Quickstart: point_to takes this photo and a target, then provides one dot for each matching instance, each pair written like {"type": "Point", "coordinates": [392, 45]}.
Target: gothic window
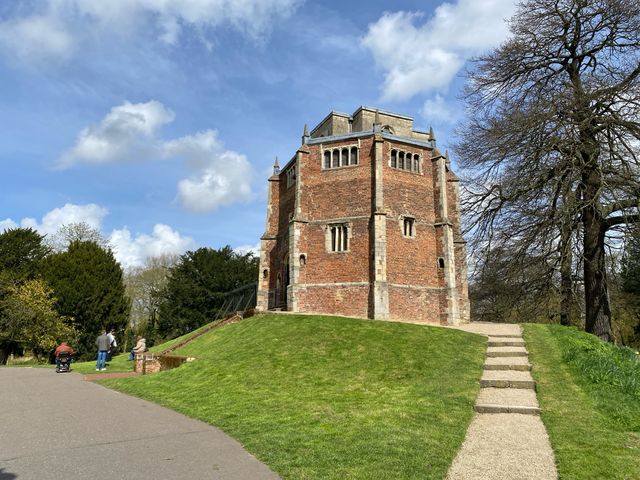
{"type": "Point", "coordinates": [345, 157]}
{"type": "Point", "coordinates": [291, 176]}
{"type": "Point", "coordinates": [409, 162]}
{"type": "Point", "coordinates": [408, 227]}
{"type": "Point", "coordinates": [338, 238]}
{"type": "Point", "coordinates": [340, 157]}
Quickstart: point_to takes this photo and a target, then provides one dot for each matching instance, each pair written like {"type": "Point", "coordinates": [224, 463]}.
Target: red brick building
{"type": "Point", "coordinates": [364, 221]}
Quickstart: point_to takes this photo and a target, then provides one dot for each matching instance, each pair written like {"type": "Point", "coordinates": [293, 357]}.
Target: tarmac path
{"type": "Point", "coordinates": [59, 426]}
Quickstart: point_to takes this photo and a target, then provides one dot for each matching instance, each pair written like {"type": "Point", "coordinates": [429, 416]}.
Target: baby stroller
{"type": "Point", "coordinates": [63, 362]}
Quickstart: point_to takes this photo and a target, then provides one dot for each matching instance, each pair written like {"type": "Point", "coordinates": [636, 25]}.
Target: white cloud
{"type": "Point", "coordinates": [218, 177]}
{"type": "Point", "coordinates": [426, 57]}
{"type": "Point", "coordinates": [35, 39]}
{"type": "Point", "coordinates": [130, 251]}
{"type": "Point", "coordinates": [91, 214]}
{"type": "Point", "coordinates": [221, 177]}
{"type": "Point", "coordinates": [127, 132]}
{"type": "Point", "coordinates": [244, 249]}
{"type": "Point", "coordinates": [6, 224]}
{"type": "Point", "coordinates": [54, 28]}
{"type": "Point", "coordinates": [133, 251]}
{"type": "Point", "coordinates": [436, 109]}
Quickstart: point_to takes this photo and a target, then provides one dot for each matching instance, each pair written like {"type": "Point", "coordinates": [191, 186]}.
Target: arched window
{"type": "Point", "coordinates": [408, 227]}
{"type": "Point", "coordinates": [344, 156]}
{"type": "Point", "coordinates": [339, 238]}
{"type": "Point", "coordinates": [407, 161]}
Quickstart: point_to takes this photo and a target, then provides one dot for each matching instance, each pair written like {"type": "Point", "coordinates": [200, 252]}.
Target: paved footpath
{"type": "Point", "coordinates": [60, 426]}
{"type": "Point", "coordinates": [506, 439]}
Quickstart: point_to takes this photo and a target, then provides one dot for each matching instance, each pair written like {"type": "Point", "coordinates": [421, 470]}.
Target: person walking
{"type": "Point", "coordinates": [102, 342]}
{"type": "Point", "coordinates": [112, 345]}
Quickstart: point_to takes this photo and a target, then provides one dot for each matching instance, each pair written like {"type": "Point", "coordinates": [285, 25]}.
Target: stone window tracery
{"type": "Point", "coordinates": [340, 157]}
{"type": "Point", "coordinates": [409, 227]}
{"type": "Point", "coordinates": [409, 162]}
{"type": "Point", "coordinates": [338, 238]}
{"type": "Point", "coordinates": [291, 176]}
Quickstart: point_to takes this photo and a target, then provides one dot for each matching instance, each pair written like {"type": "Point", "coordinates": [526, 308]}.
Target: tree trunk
{"type": "Point", "coordinates": [5, 351]}
{"type": "Point", "coordinates": [598, 311]}
{"type": "Point", "coordinates": [566, 284]}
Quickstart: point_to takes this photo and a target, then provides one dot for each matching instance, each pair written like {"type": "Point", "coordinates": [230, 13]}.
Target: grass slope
{"type": "Point", "coordinates": [332, 398]}
{"type": "Point", "coordinates": [121, 363]}
{"type": "Point", "coordinates": [590, 402]}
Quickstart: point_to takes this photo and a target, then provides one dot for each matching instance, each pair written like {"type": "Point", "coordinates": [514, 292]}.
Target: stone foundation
{"type": "Point", "coordinates": [153, 363]}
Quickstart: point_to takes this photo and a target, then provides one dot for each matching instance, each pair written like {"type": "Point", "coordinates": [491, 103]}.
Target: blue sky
{"type": "Point", "coordinates": [157, 121]}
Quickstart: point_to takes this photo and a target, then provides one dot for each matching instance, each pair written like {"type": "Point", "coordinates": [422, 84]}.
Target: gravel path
{"type": "Point", "coordinates": [499, 445]}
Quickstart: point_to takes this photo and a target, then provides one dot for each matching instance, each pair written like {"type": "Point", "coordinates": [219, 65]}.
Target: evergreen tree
{"type": "Point", "coordinates": [197, 284]}
{"type": "Point", "coordinates": [21, 253]}
{"type": "Point", "coordinates": [88, 283]}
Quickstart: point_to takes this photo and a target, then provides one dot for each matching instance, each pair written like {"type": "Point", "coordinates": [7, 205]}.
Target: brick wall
{"type": "Point", "coordinates": [415, 305]}
{"type": "Point", "coordinates": [342, 282]}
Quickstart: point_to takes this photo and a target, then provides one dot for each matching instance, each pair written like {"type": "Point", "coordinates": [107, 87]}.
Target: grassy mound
{"type": "Point", "coordinates": [589, 392]}
{"type": "Point", "coordinates": [326, 397]}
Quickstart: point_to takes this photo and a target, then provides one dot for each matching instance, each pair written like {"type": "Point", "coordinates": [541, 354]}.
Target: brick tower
{"type": "Point", "coordinates": [364, 221]}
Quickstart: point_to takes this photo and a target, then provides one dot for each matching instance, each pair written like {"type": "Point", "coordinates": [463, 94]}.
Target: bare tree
{"type": "Point", "coordinates": [144, 285]}
{"type": "Point", "coordinates": [555, 111]}
{"type": "Point", "coordinates": [72, 232]}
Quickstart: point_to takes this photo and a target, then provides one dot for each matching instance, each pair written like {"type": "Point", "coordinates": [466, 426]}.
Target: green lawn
{"type": "Point", "coordinates": [119, 363]}
{"type": "Point", "coordinates": [590, 400]}
{"type": "Point", "coordinates": [332, 398]}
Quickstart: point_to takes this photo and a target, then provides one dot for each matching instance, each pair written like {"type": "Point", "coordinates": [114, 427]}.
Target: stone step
{"type": "Point", "coordinates": [507, 379]}
{"type": "Point", "coordinates": [487, 408]}
{"type": "Point", "coordinates": [498, 335]}
{"type": "Point", "coordinates": [505, 342]}
{"type": "Point", "coordinates": [497, 383]}
{"type": "Point", "coordinates": [508, 366]}
{"type": "Point", "coordinates": [507, 360]}
{"type": "Point", "coordinates": [507, 397]}
{"type": "Point", "coordinates": [506, 352]}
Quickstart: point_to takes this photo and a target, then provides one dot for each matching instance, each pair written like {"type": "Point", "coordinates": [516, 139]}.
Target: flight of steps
{"type": "Point", "coordinates": [506, 385]}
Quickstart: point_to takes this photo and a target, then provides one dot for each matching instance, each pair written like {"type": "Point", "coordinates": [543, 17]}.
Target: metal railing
{"type": "Point", "coordinates": [240, 299]}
